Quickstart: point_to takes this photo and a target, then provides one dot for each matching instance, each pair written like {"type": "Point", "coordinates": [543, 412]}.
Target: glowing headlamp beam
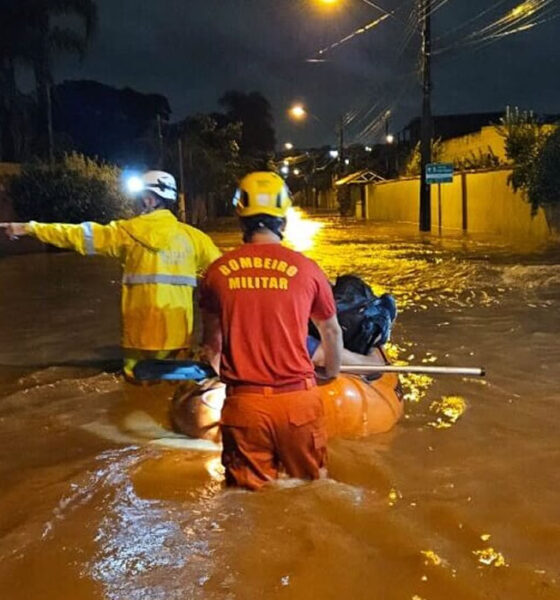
{"type": "Point", "coordinates": [134, 184]}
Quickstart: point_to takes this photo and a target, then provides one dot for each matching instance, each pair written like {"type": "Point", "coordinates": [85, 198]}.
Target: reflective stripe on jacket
{"type": "Point", "coordinates": [161, 259]}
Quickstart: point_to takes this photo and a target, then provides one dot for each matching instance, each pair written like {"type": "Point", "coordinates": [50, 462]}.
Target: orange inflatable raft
{"type": "Point", "coordinates": [353, 406]}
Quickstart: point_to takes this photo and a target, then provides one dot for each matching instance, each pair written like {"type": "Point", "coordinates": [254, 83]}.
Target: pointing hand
{"type": "Point", "coordinates": [14, 230]}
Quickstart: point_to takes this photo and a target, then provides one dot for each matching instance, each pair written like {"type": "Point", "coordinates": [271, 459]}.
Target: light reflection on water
{"type": "Point", "coordinates": [424, 511]}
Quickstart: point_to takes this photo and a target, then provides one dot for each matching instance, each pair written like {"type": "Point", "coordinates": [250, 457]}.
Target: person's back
{"type": "Point", "coordinates": [161, 259]}
{"type": "Point", "coordinates": [266, 293]}
{"type": "Point", "coordinates": [257, 302]}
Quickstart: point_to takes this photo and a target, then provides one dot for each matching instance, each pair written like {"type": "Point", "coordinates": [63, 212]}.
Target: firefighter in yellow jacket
{"type": "Point", "coordinates": [161, 259]}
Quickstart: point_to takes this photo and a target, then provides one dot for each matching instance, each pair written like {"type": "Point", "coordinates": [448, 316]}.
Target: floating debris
{"type": "Point", "coordinates": [490, 557]}
{"type": "Point", "coordinates": [394, 496]}
{"type": "Point", "coordinates": [433, 558]}
{"type": "Point", "coordinates": [448, 410]}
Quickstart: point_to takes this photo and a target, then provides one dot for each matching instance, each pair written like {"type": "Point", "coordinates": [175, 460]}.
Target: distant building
{"type": "Point", "coordinates": [485, 141]}
{"type": "Point", "coordinates": [447, 127]}
{"type": "Point", "coordinates": [466, 136]}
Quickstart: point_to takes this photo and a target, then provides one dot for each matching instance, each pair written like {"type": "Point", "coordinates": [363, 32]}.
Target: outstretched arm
{"type": "Point", "coordinates": [15, 230]}
{"type": "Point", "coordinates": [86, 238]}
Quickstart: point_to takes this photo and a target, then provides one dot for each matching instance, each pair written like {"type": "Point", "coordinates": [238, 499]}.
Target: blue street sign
{"type": "Point", "coordinates": [439, 173]}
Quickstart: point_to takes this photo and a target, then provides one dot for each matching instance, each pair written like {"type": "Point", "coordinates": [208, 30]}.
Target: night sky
{"type": "Point", "coordinates": [193, 50]}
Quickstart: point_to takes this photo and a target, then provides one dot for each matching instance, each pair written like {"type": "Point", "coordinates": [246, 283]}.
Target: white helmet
{"type": "Point", "coordinates": [162, 184]}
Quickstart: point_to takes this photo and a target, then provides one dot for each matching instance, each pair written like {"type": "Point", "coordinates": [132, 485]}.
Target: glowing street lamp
{"type": "Point", "coordinates": [288, 146]}
{"type": "Point", "coordinates": [390, 138]}
{"type": "Point", "coordinates": [297, 112]}
{"type": "Point", "coordinates": [296, 172]}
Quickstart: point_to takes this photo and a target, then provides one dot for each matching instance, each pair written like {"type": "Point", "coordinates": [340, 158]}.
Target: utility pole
{"type": "Point", "coordinates": [341, 145]}
{"type": "Point", "coordinates": [387, 147]}
{"type": "Point", "coordinates": [49, 116]}
{"type": "Point", "coordinates": [160, 141]}
{"type": "Point", "coordinates": [426, 132]}
{"type": "Point", "coordinates": [182, 192]}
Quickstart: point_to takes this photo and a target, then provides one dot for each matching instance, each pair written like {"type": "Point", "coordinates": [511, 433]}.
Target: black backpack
{"type": "Point", "coordinates": [365, 318]}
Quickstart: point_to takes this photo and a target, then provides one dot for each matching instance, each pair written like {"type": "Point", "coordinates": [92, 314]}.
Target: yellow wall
{"type": "Point", "coordinates": [484, 141]}
{"type": "Point", "coordinates": [492, 206]}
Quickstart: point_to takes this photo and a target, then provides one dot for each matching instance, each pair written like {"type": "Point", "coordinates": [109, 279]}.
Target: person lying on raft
{"type": "Point", "coordinates": [366, 321]}
{"type": "Point", "coordinates": [316, 352]}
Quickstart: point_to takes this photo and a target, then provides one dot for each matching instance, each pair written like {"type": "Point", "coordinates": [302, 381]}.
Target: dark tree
{"type": "Point", "coordinates": [44, 36]}
{"type": "Point", "coordinates": [16, 110]}
{"type": "Point", "coordinates": [254, 112]}
{"type": "Point", "coordinates": [31, 32]}
{"type": "Point", "coordinates": [210, 162]}
{"type": "Point", "coordinates": [119, 126]}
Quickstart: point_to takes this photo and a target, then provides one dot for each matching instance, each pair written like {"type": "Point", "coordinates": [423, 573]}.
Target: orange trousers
{"type": "Point", "coordinates": [263, 432]}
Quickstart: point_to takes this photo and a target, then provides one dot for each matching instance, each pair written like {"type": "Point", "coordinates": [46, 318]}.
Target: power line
{"type": "Point", "coordinates": [471, 20]}
{"type": "Point", "coordinates": [351, 36]}
{"type": "Point", "coordinates": [516, 20]}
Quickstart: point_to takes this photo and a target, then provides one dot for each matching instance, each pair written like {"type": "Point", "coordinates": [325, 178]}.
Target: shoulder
{"type": "Point", "coordinates": [193, 231]}
{"type": "Point", "coordinates": [224, 259]}
{"type": "Point", "coordinates": [304, 263]}
{"type": "Point", "coordinates": [218, 263]}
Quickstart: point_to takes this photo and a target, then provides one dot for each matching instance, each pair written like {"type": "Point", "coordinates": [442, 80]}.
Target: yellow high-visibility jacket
{"type": "Point", "coordinates": [161, 259]}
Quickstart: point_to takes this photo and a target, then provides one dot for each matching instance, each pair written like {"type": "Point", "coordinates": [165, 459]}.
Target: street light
{"type": "Point", "coordinates": [288, 146]}
{"type": "Point", "coordinates": [297, 112]}
{"type": "Point", "coordinates": [390, 138]}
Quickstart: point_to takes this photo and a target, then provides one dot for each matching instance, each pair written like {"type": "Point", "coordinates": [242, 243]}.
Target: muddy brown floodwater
{"type": "Point", "coordinates": [461, 501]}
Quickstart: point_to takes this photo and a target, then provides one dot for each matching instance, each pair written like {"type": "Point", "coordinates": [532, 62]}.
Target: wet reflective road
{"type": "Point", "coordinates": [460, 501]}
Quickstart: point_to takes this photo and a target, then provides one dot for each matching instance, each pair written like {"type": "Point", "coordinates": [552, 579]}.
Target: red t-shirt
{"type": "Point", "coordinates": [265, 295]}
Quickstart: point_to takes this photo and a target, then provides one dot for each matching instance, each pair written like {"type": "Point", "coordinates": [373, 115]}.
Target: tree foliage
{"type": "Point", "coordinates": [534, 152]}
{"type": "Point", "coordinates": [544, 186]}
{"type": "Point", "coordinates": [412, 167]}
{"type": "Point", "coordinates": [117, 125]}
{"type": "Point", "coordinates": [477, 160]}
{"type": "Point", "coordinates": [254, 113]}
{"type": "Point", "coordinates": [211, 164]}
{"type": "Point", "coordinates": [524, 139]}
{"type": "Point", "coordinates": [31, 33]}
{"type": "Point", "coordinates": [73, 190]}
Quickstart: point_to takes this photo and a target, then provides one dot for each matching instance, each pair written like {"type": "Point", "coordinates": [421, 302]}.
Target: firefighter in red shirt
{"type": "Point", "coordinates": [257, 301]}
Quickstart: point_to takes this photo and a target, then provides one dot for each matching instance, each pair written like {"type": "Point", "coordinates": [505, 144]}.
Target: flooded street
{"type": "Point", "coordinates": [460, 500]}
